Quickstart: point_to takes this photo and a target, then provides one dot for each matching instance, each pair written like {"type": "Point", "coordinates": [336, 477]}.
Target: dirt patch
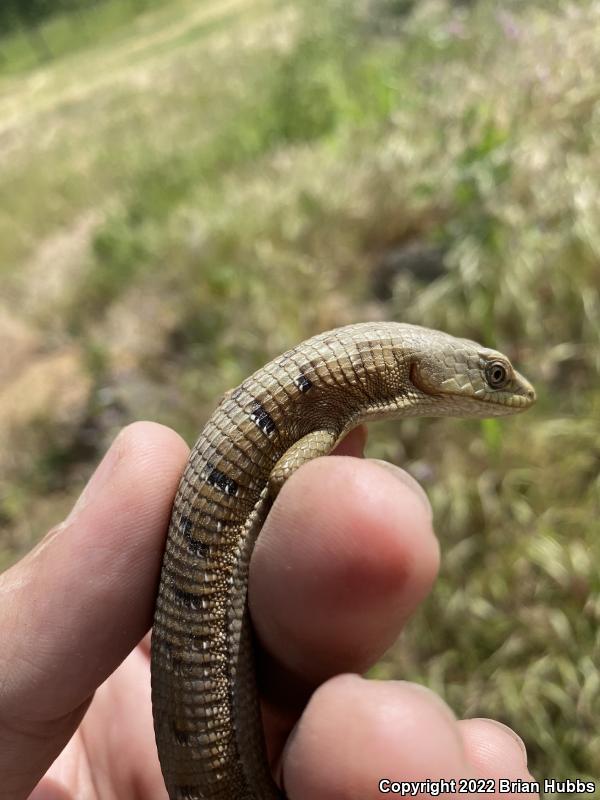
{"type": "Point", "coordinates": [42, 378]}
{"type": "Point", "coordinates": [58, 262]}
{"type": "Point", "coordinates": [19, 345]}
{"type": "Point", "coordinates": [51, 386]}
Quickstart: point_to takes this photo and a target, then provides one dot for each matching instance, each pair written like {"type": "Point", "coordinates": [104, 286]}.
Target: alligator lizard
{"type": "Point", "coordinates": [206, 711]}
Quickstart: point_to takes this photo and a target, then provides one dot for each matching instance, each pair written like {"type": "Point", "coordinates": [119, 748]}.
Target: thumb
{"type": "Point", "coordinates": [72, 609]}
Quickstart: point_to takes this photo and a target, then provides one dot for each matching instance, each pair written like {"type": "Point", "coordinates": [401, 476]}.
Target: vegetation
{"type": "Point", "coordinates": [211, 183]}
{"type": "Point", "coordinates": [43, 30]}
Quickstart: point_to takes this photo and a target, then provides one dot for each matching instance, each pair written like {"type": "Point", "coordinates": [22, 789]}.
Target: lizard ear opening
{"type": "Point", "coordinates": [418, 379]}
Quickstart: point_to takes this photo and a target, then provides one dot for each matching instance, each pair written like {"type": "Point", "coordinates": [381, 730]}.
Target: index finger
{"type": "Point", "coordinates": [345, 556]}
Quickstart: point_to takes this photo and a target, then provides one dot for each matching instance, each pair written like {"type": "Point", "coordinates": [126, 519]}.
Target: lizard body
{"type": "Point", "coordinates": [205, 704]}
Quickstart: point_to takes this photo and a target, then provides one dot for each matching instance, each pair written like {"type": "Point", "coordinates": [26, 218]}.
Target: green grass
{"type": "Point", "coordinates": [250, 167]}
{"type": "Point", "coordinates": [64, 34]}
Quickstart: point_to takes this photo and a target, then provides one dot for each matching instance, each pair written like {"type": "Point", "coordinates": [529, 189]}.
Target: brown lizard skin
{"type": "Point", "coordinates": [205, 704]}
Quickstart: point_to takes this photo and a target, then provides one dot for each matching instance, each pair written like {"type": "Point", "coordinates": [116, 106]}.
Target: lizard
{"type": "Point", "coordinates": [299, 406]}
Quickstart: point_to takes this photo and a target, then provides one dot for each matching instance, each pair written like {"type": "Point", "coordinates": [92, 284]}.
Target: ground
{"type": "Point", "coordinates": [189, 190]}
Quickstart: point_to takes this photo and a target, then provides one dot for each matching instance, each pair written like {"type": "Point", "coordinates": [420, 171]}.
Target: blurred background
{"type": "Point", "coordinates": [188, 188]}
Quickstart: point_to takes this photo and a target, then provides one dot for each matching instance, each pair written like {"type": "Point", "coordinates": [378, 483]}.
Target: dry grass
{"type": "Point", "coordinates": [284, 170]}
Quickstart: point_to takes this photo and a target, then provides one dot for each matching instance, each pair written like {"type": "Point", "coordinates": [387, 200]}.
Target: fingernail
{"type": "Point", "coordinates": [408, 481]}
{"type": "Point", "coordinates": [509, 731]}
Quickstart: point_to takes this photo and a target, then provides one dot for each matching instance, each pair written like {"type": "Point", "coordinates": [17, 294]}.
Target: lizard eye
{"type": "Point", "coordinates": [496, 374]}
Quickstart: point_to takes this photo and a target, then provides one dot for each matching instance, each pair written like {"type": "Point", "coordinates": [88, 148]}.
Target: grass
{"type": "Point", "coordinates": [65, 34]}
{"type": "Point", "coordinates": [262, 171]}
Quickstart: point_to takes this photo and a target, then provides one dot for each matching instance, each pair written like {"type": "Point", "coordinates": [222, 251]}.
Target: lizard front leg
{"type": "Point", "coordinates": [314, 444]}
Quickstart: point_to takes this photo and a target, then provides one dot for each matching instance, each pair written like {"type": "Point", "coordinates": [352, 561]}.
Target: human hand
{"type": "Point", "coordinates": [346, 555]}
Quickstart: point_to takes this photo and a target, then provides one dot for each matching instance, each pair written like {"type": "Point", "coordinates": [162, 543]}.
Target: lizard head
{"type": "Point", "coordinates": [463, 378]}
